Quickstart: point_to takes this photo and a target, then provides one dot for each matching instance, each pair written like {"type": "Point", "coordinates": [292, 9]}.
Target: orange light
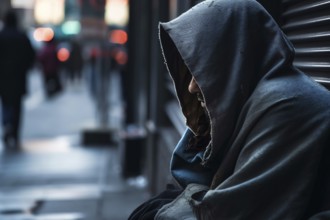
{"type": "Point", "coordinates": [121, 57]}
{"type": "Point", "coordinates": [118, 37]}
{"type": "Point", "coordinates": [63, 54]}
{"type": "Point", "coordinates": [43, 34]}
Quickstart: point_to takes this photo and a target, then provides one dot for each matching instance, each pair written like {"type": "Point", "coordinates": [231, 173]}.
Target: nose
{"type": "Point", "coordinates": [193, 87]}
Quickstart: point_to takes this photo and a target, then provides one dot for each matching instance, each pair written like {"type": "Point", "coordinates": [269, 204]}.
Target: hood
{"type": "Point", "coordinates": [224, 44]}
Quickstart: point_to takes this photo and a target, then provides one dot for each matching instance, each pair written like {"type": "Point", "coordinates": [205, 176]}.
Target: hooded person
{"type": "Point", "coordinates": [258, 129]}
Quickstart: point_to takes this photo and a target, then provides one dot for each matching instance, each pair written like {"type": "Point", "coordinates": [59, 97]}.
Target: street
{"type": "Point", "coordinates": [54, 176]}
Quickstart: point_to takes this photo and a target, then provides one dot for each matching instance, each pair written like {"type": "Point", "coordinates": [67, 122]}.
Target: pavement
{"type": "Point", "coordinates": [54, 175]}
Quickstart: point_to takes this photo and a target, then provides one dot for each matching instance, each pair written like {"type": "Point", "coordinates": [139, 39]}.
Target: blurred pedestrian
{"type": "Point", "coordinates": [16, 58]}
{"type": "Point", "coordinates": [75, 62]}
{"type": "Point", "coordinates": [94, 55]}
{"type": "Point", "coordinates": [50, 66]}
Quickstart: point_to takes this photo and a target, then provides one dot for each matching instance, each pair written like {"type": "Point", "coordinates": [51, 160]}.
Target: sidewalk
{"type": "Point", "coordinates": [55, 177]}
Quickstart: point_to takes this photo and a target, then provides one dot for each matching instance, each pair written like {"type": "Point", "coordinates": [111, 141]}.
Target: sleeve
{"type": "Point", "coordinates": [180, 208]}
{"type": "Point", "coordinates": [29, 53]}
{"type": "Point", "coordinates": [33, 54]}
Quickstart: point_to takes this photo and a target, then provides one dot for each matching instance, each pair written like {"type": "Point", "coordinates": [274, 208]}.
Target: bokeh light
{"type": "Point", "coordinates": [49, 11]}
{"type": "Point", "coordinates": [116, 12]}
{"type": "Point", "coordinates": [71, 27]}
{"type": "Point", "coordinates": [43, 34]}
{"type": "Point", "coordinates": [63, 54]}
{"type": "Point", "coordinates": [121, 57]}
{"type": "Point", "coordinates": [118, 36]}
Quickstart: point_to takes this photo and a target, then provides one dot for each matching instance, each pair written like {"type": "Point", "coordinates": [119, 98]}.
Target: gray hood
{"type": "Point", "coordinates": [223, 45]}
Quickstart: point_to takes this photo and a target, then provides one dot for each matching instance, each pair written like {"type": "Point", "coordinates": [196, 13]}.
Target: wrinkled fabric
{"type": "Point", "coordinates": [148, 209]}
{"type": "Point", "coordinates": [268, 157]}
{"type": "Point", "coordinates": [171, 211]}
{"type": "Point", "coordinates": [186, 164]}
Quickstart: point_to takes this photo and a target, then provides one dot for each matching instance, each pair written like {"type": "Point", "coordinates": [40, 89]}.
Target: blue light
{"type": "Point", "coordinates": [71, 27]}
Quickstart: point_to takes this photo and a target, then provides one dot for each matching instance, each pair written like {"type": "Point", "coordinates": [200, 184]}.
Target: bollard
{"type": "Point", "coordinates": [133, 152]}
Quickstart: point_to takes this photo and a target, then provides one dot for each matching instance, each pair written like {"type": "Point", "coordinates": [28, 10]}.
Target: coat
{"type": "Point", "coordinates": [16, 58]}
{"type": "Point", "coordinates": [268, 152]}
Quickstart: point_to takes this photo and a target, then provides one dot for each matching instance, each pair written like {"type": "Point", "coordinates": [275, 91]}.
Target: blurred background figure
{"type": "Point", "coordinates": [75, 63]}
{"type": "Point", "coordinates": [16, 58]}
{"type": "Point", "coordinates": [94, 53]}
{"type": "Point", "coordinates": [50, 65]}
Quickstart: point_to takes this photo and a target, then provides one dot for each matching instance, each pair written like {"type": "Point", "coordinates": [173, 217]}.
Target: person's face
{"type": "Point", "coordinates": [193, 88]}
